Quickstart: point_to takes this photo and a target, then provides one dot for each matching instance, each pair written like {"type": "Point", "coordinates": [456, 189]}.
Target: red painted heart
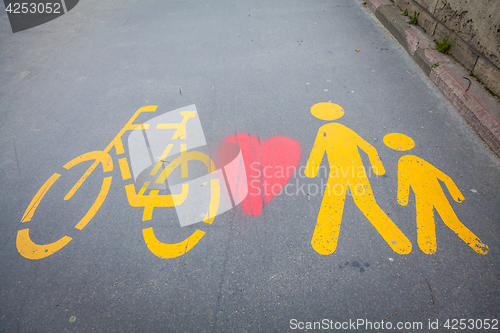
{"type": "Point", "coordinates": [269, 165]}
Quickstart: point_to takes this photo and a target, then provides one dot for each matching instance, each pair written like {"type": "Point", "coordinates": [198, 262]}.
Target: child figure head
{"type": "Point", "coordinates": [398, 141]}
{"type": "Point", "coordinates": [327, 111]}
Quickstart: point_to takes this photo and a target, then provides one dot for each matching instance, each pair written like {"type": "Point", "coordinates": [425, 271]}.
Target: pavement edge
{"type": "Point", "coordinates": [477, 106]}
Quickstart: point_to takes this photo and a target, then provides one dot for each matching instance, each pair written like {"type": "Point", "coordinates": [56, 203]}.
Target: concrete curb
{"type": "Point", "coordinates": [478, 107]}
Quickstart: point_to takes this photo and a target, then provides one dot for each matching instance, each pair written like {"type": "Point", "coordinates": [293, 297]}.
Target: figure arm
{"type": "Point", "coordinates": [315, 157]}
{"type": "Point", "coordinates": [450, 184]}
{"type": "Point", "coordinates": [378, 167]}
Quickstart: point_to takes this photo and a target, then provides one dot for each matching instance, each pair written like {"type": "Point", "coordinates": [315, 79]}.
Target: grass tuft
{"type": "Point", "coordinates": [443, 45]}
{"type": "Point", "coordinates": [414, 18]}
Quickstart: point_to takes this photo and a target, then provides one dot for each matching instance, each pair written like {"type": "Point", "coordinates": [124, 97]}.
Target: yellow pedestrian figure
{"type": "Point", "coordinates": [423, 178]}
{"type": "Point", "coordinates": [346, 171]}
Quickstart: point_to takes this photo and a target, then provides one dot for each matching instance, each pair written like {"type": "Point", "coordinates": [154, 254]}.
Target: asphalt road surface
{"type": "Point", "coordinates": [253, 70]}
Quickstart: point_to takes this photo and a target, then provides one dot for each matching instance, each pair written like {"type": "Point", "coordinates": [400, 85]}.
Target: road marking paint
{"type": "Point", "coordinates": [180, 132]}
{"type": "Point", "coordinates": [161, 160]}
{"type": "Point", "coordinates": [166, 251]}
{"type": "Point", "coordinates": [423, 178]}
{"type": "Point", "coordinates": [106, 184]}
{"type": "Point", "coordinates": [268, 166]}
{"type": "Point", "coordinates": [124, 168]}
{"type": "Point", "coordinates": [99, 157]}
{"type": "Point", "coordinates": [30, 250]}
{"type": "Point", "coordinates": [214, 201]}
{"type": "Point", "coordinates": [28, 214]}
{"type": "Point", "coordinates": [340, 144]}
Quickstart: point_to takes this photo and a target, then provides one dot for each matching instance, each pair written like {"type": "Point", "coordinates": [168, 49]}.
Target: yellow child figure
{"type": "Point", "coordinates": [341, 147]}
{"type": "Point", "coordinates": [423, 178]}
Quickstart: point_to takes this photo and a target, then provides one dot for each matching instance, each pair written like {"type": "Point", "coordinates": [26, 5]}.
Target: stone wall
{"type": "Point", "coordinates": [474, 27]}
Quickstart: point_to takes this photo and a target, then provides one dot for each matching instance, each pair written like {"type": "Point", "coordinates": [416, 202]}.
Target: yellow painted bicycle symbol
{"type": "Point", "coordinates": [178, 144]}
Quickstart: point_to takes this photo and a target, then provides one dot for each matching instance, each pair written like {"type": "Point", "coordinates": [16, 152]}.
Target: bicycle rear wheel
{"type": "Point", "coordinates": [30, 250]}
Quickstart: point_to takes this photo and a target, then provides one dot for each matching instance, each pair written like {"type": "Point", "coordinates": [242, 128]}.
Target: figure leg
{"type": "Point", "coordinates": [426, 226]}
{"type": "Point", "coordinates": [451, 220]}
{"type": "Point", "coordinates": [363, 197]}
{"type": "Point", "coordinates": [326, 232]}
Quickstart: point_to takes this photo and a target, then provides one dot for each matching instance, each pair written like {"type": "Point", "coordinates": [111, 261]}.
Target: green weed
{"type": "Point", "coordinates": [414, 18]}
{"type": "Point", "coordinates": [443, 45]}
